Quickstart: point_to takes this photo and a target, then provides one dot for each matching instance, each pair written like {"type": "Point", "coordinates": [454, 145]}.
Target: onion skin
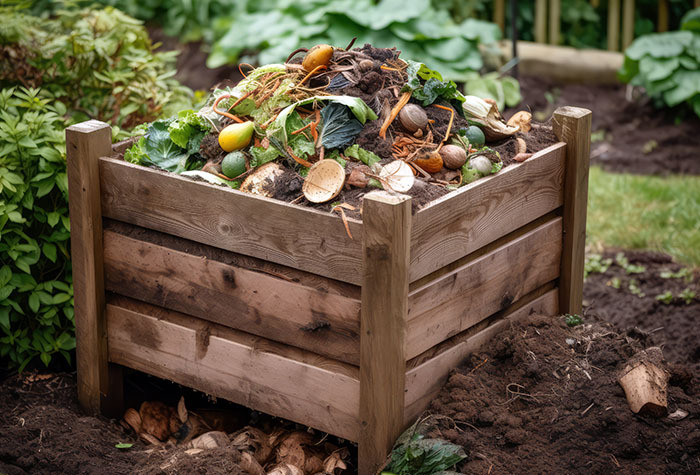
{"type": "Point", "coordinates": [453, 156]}
{"type": "Point", "coordinates": [319, 55]}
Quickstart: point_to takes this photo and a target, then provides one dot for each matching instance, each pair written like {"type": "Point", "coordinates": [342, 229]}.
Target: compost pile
{"type": "Point", "coordinates": [327, 127]}
{"type": "Point", "coordinates": [545, 398]}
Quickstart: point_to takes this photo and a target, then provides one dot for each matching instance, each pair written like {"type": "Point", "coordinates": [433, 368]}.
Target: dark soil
{"type": "Point", "coordinates": [675, 325]}
{"type": "Point", "coordinates": [544, 398]}
{"type": "Point", "coordinates": [630, 135]}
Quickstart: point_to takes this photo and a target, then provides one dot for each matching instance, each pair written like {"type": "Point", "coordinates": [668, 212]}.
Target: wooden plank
{"type": "Point", "coordinates": [540, 21]}
{"type": "Point", "coordinates": [554, 21]}
{"type": "Point", "coordinates": [248, 370]}
{"type": "Point", "coordinates": [387, 225]}
{"type": "Point", "coordinates": [479, 288]}
{"type": "Point", "coordinates": [466, 220]}
{"type": "Point", "coordinates": [614, 25]}
{"type": "Point", "coordinates": [628, 16]}
{"type": "Point", "coordinates": [573, 126]}
{"type": "Point", "coordinates": [564, 63]}
{"type": "Point", "coordinates": [499, 14]}
{"type": "Point", "coordinates": [257, 303]}
{"type": "Point", "coordinates": [662, 19]}
{"type": "Point", "coordinates": [269, 229]}
{"type": "Point", "coordinates": [86, 142]}
{"type": "Point", "coordinates": [424, 382]}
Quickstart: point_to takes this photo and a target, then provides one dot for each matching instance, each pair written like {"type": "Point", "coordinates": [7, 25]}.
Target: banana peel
{"type": "Point", "coordinates": [486, 116]}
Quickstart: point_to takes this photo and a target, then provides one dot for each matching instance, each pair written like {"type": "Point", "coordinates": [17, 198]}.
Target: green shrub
{"type": "Point", "coordinates": [78, 65]}
{"type": "Point", "coordinates": [420, 31]}
{"type": "Point", "coordinates": [667, 65]}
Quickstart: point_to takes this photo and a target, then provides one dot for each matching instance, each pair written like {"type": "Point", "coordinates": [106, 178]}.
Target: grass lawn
{"type": "Point", "coordinates": [645, 212]}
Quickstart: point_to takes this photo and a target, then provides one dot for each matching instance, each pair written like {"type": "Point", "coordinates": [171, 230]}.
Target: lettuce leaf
{"type": "Point", "coordinates": [359, 153]}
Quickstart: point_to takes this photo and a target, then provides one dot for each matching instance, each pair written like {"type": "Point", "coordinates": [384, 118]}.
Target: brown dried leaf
{"type": "Point", "coordinates": [255, 441]}
{"type": "Point", "coordinates": [155, 419]}
{"type": "Point", "coordinates": [286, 469]}
{"type": "Point", "coordinates": [182, 410]}
{"type": "Point", "coordinates": [133, 419]}
{"type": "Point", "coordinates": [210, 440]}
{"type": "Point", "coordinates": [290, 450]}
{"type": "Point", "coordinates": [334, 461]}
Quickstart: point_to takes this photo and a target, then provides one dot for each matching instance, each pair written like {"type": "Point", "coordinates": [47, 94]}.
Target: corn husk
{"type": "Point", "coordinates": [487, 117]}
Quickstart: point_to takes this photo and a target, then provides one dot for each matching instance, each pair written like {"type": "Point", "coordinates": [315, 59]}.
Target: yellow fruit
{"type": "Point", "coordinates": [236, 136]}
{"type": "Point", "coordinates": [319, 55]}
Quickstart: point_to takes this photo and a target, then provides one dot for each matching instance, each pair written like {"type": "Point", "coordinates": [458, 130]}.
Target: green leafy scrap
{"type": "Point", "coordinates": [339, 127]}
{"type": "Point", "coordinates": [359, 153]}
{"type": "Point", "coordinates": [428, 86]}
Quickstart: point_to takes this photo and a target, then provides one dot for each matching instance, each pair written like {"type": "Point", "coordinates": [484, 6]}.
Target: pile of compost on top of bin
{"type": "Point", "coordinates": [327, 127]}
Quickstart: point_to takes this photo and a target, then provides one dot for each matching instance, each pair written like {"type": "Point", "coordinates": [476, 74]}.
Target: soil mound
{"type": "Point", "coordinates": [544, 398]}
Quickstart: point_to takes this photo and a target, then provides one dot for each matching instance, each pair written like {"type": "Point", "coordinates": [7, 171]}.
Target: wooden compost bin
{"type": "Point", "coordinates": [273, 306]}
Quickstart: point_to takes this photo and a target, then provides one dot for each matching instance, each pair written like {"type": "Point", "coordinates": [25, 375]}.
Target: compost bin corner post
{"type": "Point", "coordinates": [386, 246]}
{"type": "Point", "coordinates": [573, 126]}
{"type": "Point", "coordinates": [99, 383]}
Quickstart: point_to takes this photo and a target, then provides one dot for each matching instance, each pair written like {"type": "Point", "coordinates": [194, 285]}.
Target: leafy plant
{"type": "Point", "coordinates": [666, 297]}
{"type": "Point", "coordinates": [54, 72]}
{"type": "Point", "coordinates": [595, 264]}
{"type": "Point", "coordinates": [667, 64]}
{"type": "Point", "coordinates": [421, 32]}
{"type": "Point", "coordinates": [687, 295]}
{"type": "Point", "coordinates": [99, 63]}
{"type": "Point", "coordinates": [415, 454]}
{"type": "Point", "coordinates": [573, 320]}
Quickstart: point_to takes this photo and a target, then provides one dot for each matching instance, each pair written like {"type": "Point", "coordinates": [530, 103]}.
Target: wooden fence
{"type": "Point", "coordinates": [549, 11]}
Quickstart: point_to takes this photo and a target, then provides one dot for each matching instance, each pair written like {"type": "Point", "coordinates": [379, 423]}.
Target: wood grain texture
{"type": "Point", "coordinates": [263, 375]}
{"type": "Point", "coordinates": [614, 25]}
{"type": "Point", "coordinates": [554, 21]}
{"type": "Point", "coordinates": [286, 234]}
{"type": "Point", "coordinates": [86, 142]}
{"type": "Point", "coordinates": [387, 233]}
{"type": "Point", "coordinates": [424, 382]}
{"type": "Point", "coordinates": [573, 126]}
{"type": "Point", "coordinates": [254, 302]}
{"type": "Point", "coordinates": [479, 288]}
{"type": "Point", "coordinates": [540, 21]}
{"type": "Point", "coordinates": [477, 214]}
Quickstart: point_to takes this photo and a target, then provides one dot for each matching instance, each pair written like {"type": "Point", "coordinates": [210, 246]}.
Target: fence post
{"type": "Point", "coordinates": [499, 15]}
{"type": "Point", "coordinates": [573, 126]}
{"type": "Point", "coordinates": [85, 143]}
{"type": "Point", "coordinates": [662, 20]}
{"type": "Point", "coordinates": [540, 21]}
{"type": "Point", "coordinates": [554, 21]}
{"type": "Point", "coordinates": [386, 247]}
{"type": "Point", "coordinates": [613, 25]}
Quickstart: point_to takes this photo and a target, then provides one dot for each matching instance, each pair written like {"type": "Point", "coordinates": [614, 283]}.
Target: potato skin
{"type": "Point", "coordinates": [319, 55]}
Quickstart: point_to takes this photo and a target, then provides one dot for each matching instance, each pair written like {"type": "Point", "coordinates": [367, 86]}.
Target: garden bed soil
{"type": "Point", "coordinates": [675, 325]}
{"type": "Point", "coordinates": [629, 134]}
{"type": "Point", "coordinates": [544, 398]}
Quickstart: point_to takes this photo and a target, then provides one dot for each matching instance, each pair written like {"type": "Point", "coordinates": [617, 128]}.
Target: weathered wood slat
{"type": "Point", "coordinates": [573, 125]}
{"type": "Point", "coordinates": [483, 286]}
{"type": "Point", "coordinates": [260, 227]}
{"type": "Point", "coordinates": [464, 221]}
{"type": "Point", "coordinates": [424, 382]}
{"type": "Point", "coordinates": [257, 373]}
{"type": "Point", "coordinates": [257, 303]}
{"type": "Point", "coordinates": [86, 142]}
{"type": "Point", "coordinates": [386, 240]}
